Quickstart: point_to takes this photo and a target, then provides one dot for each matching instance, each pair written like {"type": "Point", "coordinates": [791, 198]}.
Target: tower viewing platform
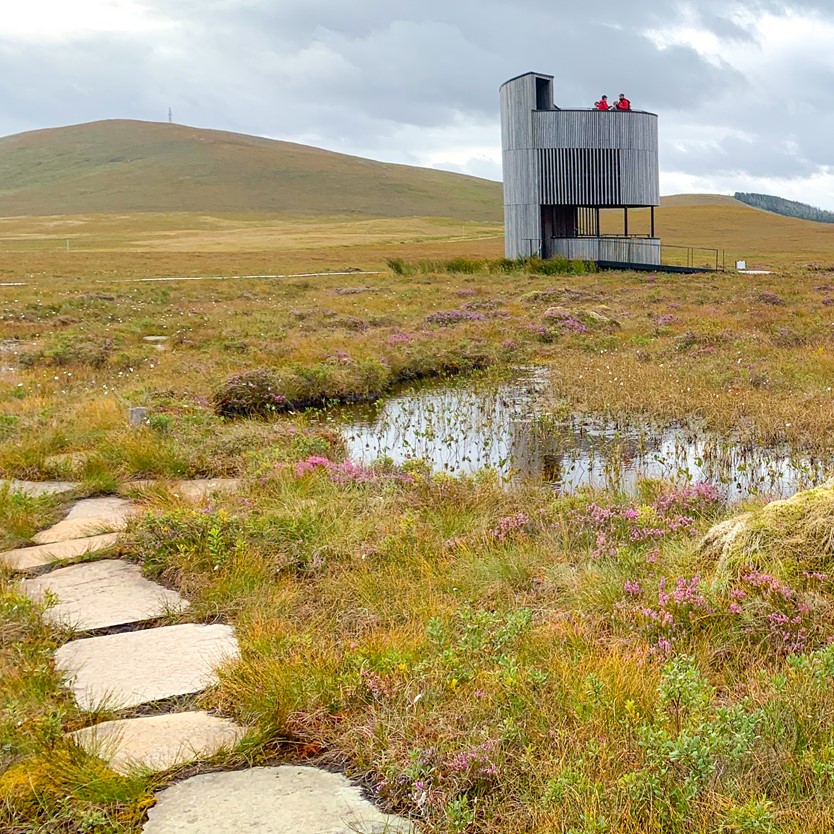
{"type": "Point", "coordinates": [562, 168]}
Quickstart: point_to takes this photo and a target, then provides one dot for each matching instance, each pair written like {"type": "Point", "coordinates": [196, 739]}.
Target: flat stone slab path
{"type": "Point", "coordinates": [158, 742]}
{"type": "Point", "coordinates": [102, 595]}
{"type": "Point", "coordinates": [28, 559]}
{"type": "Point", "coordinates": [269, 800]}
{"type": "Point", "coordinates": [37, 488]}
{"type": "Point", "coordinates": [125, 670]}
{"type": "Point", "coordinates": [89, 517]}
{"type": "Point", "coordinates": [131, 668]}
{"type": "Point", "coordinates": [110, 507]}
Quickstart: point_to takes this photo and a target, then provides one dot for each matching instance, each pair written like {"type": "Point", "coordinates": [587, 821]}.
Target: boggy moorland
{"type": "Point", "coordinates": [483, 657]}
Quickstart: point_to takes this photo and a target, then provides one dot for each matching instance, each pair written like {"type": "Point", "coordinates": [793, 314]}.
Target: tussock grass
{"type": "Point", "coordinates": [21, 516]}
{"type": "Point", "coordinates": [791, 539]}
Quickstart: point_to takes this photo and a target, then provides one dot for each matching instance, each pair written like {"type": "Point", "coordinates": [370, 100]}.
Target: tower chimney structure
{"type": "Point", "coordinates": [563, 167]}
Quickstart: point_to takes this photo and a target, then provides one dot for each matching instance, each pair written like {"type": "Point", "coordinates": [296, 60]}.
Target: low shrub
{"type": "Point", "coordinates": [467, 266]}
{"type": "Point", "coordinates": [67, 351]}
{"type": "Point", "coordinates": [250, 394]}
{"type": "Point", "coordinates": [559, 266]}
{"type": "Point", "coordinates": [507, 266]}
{"type": "Point", "coordinates": [447, 318]}
{"type": "Point", "coordinates": [399, 267]}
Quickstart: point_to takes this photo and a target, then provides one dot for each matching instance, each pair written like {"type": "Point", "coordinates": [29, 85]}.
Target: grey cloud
{"type": "Point", "coordinates": [733, 155]}
{"type": "Point", "coordinates": [375, 76]}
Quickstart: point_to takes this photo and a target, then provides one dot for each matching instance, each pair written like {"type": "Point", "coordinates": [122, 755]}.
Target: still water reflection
{"type": "Point", "coordinates": [463, 427]}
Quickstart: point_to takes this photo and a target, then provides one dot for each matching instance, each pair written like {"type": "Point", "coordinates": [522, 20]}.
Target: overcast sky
{"type": "Point", "coordinates": [744, 90]}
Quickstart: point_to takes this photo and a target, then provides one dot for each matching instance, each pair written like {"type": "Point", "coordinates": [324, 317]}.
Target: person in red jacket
{"type": "Point", "coordinates": [602, 104]}
{"type": "Point", "coordinates": [623, 103]}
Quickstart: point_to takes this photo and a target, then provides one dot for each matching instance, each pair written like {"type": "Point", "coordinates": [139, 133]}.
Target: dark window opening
{"type": "Point", "coordinates": [544, 94]}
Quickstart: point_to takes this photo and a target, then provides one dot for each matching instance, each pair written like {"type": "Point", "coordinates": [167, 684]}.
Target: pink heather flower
{"type": "Point", "coordinates": [664, 646]}
{"type": "Point", "coordinates": [348, 472]}
{"type": "Point", "coordinates": [616, 526]}
{"type": "Point", "coordinates": [311, 463]}
{"type": "Point", "coordinates": [565, 321]}
{"type": "Point", "coordinates": [341, 357]}
{"type": "Point", "coordinates": [767, 583]}
{"type": "Point", "coordinates": [510, 525]}
{"type": "Point", "coordinates": [633, 588]}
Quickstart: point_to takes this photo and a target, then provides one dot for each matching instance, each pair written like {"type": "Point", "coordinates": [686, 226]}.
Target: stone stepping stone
{"type": "Point", "coordinates": [108, 506]}
{"type": "Point", "coordinates": [192, 491]}
{"type": "Point", "coordinates": [37, 488]}
{"type": "Point", "coordinates": [28, 559]}
{"type": "Point", "coordinates": [158, 742]}
{"type": "Point", "coordinates": [195, 491]}
{"type": "Point", "coordinates": [269, 800]}
{"type": "Point", "coordinates": [118, 671]}
{"type": "Point", "coordinates": [89, 517]}
{"type": "Point", "coordinates": [102, 595]}
{"type": "Point", "coordinates": [159, 342]}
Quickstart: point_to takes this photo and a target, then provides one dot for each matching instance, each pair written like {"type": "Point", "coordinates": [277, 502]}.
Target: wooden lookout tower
{"type": "Point", "coordinates": [563, 167]}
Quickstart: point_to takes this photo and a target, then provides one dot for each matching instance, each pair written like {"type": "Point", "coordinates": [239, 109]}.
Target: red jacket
{"type": "Point", "coordinates": [602, 105]}
{"type": "Point", "coordinates": [623, 104]}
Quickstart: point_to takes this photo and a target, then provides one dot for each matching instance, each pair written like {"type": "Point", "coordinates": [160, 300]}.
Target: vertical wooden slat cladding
{"type": "Point", "coordinates": [579, 177]}
{"type": "Point", "coordinates": [641, 182]}
{"type": "Point", "coordinates": [644, 251]}
{"type": "Point", "coordinates": [522, 228]}
{"type": "Point", "coordinates": [573, 158]}
{"type": "Point", "coordinates": [518, 102]}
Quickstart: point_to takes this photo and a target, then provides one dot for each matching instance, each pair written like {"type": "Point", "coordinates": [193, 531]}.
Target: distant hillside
{"type": "Point", "coordinates": [788, 208]}
{"type": "Point", "coordinates": [128, 166]}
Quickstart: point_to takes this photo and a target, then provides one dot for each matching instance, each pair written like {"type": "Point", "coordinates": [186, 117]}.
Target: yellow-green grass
{"type": "Point", "coordinates": [744, 353]}
{"type": "Point", "coordinates": [744, 233]}
{"type": "Point", "coordinates": [111, 246]}
{"type": "Point", "coordinates": [472, 653]}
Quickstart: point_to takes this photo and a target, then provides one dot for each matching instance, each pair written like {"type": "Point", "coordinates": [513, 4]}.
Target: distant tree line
{"type": "Point", "coordinates": [790, 208]}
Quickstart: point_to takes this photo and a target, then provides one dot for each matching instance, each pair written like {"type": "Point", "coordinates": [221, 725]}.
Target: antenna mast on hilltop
{"type": "Point", "coordinates": [170, 116]}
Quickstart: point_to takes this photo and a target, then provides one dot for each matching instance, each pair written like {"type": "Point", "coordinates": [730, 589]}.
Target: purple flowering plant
{"type": "Point", "coordinates": [611, 528]}
{"type": "Point", "coordinates": [347, 471]}
{"type": "Point", "coordinates": [563, 321]}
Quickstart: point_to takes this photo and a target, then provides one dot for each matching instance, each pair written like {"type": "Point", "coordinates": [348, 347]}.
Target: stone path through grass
{"type": "Point", "coordinates": [125, 658]}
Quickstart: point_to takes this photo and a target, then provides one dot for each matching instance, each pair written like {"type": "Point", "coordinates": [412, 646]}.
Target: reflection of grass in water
{"type": "Point", "coordinates": [461, 428]}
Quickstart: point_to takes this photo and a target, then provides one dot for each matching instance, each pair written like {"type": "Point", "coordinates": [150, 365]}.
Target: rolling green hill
{"type": "Point", "coordinates": [119, 166]}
